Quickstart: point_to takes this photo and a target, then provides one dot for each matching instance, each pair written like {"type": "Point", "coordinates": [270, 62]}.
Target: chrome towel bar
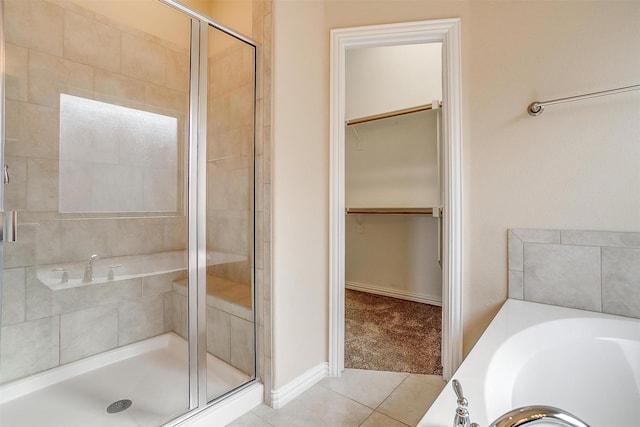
{"type": "Point", "coordinates": [537, 108]}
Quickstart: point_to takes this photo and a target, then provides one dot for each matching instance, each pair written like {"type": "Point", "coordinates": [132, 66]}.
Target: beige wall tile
{"type": "Point", "coordinates": [175, 233]}
{"type": "Point", "coordinates": [15, 193]}
{"type": "Point", "coordinates": [90, 42]}
{"type": "Point", "coordinates": [42, 185]}
{"type": "Point", "coordinates": [218, 334]}
{"type": "Point", "coordinates": [84, 237]}
{"type": "Point", "coordinates": [32, 130]}
{"type": "Point", "coordinates": [242, 345]}
{"type": "Point", "coordinates": [47, 20]}
{"type": "Point", "coordinates": [13, 296]}
{"type": "Point", "coordinates": [16, 73]}
{"type": "Point", "coordinates": [164, 100]}
{"type": "Point", "coordinates": [17, 22]}
{"type": "Point", "coordinates": [27, 348]}
{"type": "Point", "coordinates": [140, 319]}
{"type": "Point", "coordinates": [140, 236]}
{"type": "Point", "coordinates": [49, 76]}
{"type": "Point", "coordinates": [93, 295]}
{"type": "Point", "coordinates": [143, 59]}
{"type": "Point", "coordinates": [119, 89]}
{"type": "Point", "coordinates": [47, 242]}
{"type": "Point", "coordinates": [177, 73]}
{"type": "Point", "coordinates": [88, 332]}
{"type": "Point", "coordinates": [39, 298]}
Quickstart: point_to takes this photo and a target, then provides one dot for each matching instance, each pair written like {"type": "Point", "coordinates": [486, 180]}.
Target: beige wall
{"type": "Point", "coordinates": [577, 166]}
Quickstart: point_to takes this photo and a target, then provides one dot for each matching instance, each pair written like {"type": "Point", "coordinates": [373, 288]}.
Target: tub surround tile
{"type": "Point", "coordinates": [621, 281]}
{"type": "Point", "coordinates": [516, 252]}
{"type": "Point", "coordinates": [88, 332]}
{"type": "Point", "coordinates": [601, 238]}
{"type": "Point", "coordinates": [516, 284]}
{"type": "Point", "coordinates": [29, 347]}
{"type": "Point", "coordinates": [531, 235]}
{"type": "Point", "coordinates": [563, 275]}
{"type": "Point", "coordinates": [590, 270]}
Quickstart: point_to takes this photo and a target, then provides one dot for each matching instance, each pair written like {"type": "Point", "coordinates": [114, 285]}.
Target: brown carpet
{"type": "Point", "coordinates": [389, 334]}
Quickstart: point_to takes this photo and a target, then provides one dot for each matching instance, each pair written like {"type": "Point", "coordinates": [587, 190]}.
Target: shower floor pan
{"type": "Point", "coordinates": [153, 374]}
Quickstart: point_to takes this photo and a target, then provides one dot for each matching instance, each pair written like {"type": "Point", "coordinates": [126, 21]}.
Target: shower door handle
{"type": "Point", "coordinates": [9, 226]}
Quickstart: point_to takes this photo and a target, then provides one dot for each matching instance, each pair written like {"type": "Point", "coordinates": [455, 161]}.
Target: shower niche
{"type": "Point", "coordinates": [130, 146]}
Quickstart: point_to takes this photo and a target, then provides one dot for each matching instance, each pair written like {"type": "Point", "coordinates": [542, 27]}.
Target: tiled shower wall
{"type": "Point", "coordinates": [230, 157]}
{"type": "Point", "coordinates": [56, 47]}
{"type": "Point", "coordinates": [589, 270]}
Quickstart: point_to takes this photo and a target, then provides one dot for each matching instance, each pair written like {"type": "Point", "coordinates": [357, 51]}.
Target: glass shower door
{"type": "Point", "coordinates": [230, 210]}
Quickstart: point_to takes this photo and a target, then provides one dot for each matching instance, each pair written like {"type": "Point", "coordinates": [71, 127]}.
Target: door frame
{"type": "Point", "coordinates": [446, 31]}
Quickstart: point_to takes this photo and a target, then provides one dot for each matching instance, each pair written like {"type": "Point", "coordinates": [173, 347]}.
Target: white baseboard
{"type": "Point", "coordinates": [395, 293]}
{"type": "Point", "coordinates": [294, 388]}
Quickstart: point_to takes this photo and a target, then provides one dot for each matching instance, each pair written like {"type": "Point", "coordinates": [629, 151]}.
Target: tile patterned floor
{"type": "Point", "coordinates": [358, 398]}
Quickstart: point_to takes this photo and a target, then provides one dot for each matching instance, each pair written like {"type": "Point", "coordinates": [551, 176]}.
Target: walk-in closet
{"type": "Point", "coordinates": [393, 275]}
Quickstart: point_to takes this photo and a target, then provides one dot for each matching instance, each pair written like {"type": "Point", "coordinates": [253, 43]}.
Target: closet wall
{"type": "Point", "coordinates": [392, 163]}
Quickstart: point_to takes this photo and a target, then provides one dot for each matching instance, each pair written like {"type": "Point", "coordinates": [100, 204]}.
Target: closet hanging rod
{"type": "Point", "coordinates": [537, 108]}
{"type": "Point", "coordinates": [389, 211]}
{"type": "Point", "coordinates": [390, 114]}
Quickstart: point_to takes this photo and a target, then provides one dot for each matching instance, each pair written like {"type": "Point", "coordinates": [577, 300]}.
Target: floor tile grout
{"type": "Point", "coordinates": [371, 411]}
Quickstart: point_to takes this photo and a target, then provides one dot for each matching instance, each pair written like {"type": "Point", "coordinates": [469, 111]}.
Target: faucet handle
{"type": "Point", "coordinates": [462, 418]}
{"type": "Point", "coordinates": [65, 274]}
{"type": "Point", "coordinates": [457, 388]}
{"type": "Point", "coordinates": [110, 275]}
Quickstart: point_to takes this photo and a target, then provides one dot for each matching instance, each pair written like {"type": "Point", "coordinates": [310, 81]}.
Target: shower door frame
{"type": "Point", "coordinates": [197, 202]}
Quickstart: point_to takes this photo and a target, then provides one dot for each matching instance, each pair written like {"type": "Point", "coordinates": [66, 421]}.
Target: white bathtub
{"type": "Point", "coordinates": [534, 354]}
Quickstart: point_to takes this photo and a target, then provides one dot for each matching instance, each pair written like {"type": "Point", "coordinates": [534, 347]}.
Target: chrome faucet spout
{"type": "Point", "coordinates": [530, 415]}
{"type": "Point", "coordinates": [88, 269]}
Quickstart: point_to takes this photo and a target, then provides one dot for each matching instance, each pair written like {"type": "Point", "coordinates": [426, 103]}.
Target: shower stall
{"type": "Point", "coordinates": [128, 295]}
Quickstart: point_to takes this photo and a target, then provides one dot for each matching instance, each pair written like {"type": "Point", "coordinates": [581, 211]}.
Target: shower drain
{"type": "Point", "coordinates": [119, 406]}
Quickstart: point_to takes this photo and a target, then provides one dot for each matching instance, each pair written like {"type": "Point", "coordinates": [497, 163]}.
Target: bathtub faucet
{"type": "Point", "coordinates": [88, 269]}
{"type": "Point", "coordinates": [461, 418]}
{"type": "Point", "coordinates": [529, 415]}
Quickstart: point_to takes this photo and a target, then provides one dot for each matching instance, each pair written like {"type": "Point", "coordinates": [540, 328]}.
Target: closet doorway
{"type": "Point", "coordinates": [395, 190]}
{"type": "Point", "coordinates": [393, 275]}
